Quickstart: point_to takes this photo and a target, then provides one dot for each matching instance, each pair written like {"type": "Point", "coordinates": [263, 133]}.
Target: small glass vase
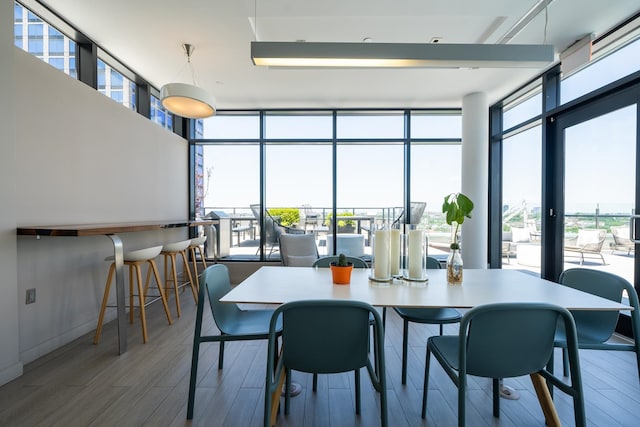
{"type": "Point", "coordinates": [454, 267]}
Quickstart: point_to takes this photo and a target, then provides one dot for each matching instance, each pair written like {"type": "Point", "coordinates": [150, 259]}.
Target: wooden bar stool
{"type": "Point", "coordinates": [197, 243]}
{"type": "Point", "coordinates": [170, 251]}
{"type": "Point", "coordinates": [134, 260]}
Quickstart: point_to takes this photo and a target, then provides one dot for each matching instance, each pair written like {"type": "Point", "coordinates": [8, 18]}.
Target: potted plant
{"type": "Point", "coordinates": [341, 270]}
{"type": "Point", "coordinates": [457, 207]}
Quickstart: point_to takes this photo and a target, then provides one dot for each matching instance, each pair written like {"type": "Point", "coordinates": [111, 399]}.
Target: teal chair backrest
{"type": "Point", "coordinates": [601, 324]}
{"type": "Point", "coordinates": [326, 261]}
{"type": "Point", "coordinates": [433, 263]}
{"type": "Point", "coordinates": [510, 339]}
{"type": "Point", "coordinates": [325, 336]}
{"type": "Point", "coordinates": [216, 280]}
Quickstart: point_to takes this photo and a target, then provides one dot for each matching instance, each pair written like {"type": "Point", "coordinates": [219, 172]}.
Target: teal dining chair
{"type": "Point", "coordinates": [595, 328]}
{"type": "Point", "coordinates": [324, 336]}
{"type": "Point", "coordinates": [233, 323]}
{"type": "Point", "coordinates": [429, 316]}
{"type": "Point", "coordinates": [326, 261]}
{"type": "Point", "coordinates": [506, 340]}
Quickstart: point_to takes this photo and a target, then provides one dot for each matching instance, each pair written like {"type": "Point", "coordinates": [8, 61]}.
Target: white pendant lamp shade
{"type": "Point", "coordinates": [187, 100]}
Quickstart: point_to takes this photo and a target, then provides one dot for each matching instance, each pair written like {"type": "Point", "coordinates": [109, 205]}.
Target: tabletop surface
{"type": "Point", "coordinates": [106, 228]}
{"type": "Point", "coordinates": [277, 285]}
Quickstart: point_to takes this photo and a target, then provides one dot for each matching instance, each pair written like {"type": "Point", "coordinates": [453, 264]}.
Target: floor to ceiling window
{"type": "Point", "coordinates": [300, 168]}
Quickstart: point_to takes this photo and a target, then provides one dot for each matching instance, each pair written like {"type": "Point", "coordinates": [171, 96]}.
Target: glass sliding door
{"type": "Point", "coordinates": [600, 192]}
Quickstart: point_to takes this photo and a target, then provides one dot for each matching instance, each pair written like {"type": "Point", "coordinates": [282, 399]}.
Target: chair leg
{"type": "Point", "coordinates": [405, 345]}
{"type": "Point", "coordinates": [425, 387]}
{"type": "Point", "coordinates": [188, 271]}
{"type": "Point", "coordinates": [143, 316]}
{"type": "Point", "coordinates": [287, 391]}
{"type": "Point", "coordinates": [441, 329]}
{"type": "Point", "coordinates": [131, 304]}
{"type": "Point", "coordinates": [565, 362]}
{"type": "Point", "coordinates": [192, 252]}
{"type": "Point", "coordinates": [357, 387]}
{"type": "Point", "coordinates": [315, 382]}
{"type": "Point", "coordinates": [153, 267]}
{"type": "Point", "coordinates": [496, 397]}
{"type": "Point", "coordinates": [174, 275]}
{"type": "Point", "coordinates": [103, 306]}
{"type": "Point", "coordinates": [221, 355]}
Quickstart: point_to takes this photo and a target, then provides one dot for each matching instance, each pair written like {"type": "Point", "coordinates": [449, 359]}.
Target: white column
{"type": "Point", "coordinates": [475, 177]}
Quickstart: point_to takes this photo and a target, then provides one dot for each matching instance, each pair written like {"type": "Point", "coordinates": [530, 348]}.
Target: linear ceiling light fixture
{"type": "Point", "coordinates": [313, 54]}
{"type": "Point", "coordinates": [188, 100]}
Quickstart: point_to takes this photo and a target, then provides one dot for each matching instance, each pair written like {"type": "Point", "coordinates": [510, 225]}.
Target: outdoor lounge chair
{"type": "Point", "coordinates": [587, 242]}
{"type": "Point", "coordinates": [621, 240]}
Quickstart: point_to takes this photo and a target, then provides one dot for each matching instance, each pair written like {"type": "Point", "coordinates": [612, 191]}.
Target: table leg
{"type": "Point", "coordinates": [118, 259]}
{"type": "Point", "coordinates": [546, 403]}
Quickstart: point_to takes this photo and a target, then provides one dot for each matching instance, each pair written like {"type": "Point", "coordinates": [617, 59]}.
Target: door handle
{"type": "Point", "coordinates": [632, 229]}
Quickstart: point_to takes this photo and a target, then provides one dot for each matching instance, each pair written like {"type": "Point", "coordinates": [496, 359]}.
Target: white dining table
{"type": "Point", "coordinates": [278, 285]}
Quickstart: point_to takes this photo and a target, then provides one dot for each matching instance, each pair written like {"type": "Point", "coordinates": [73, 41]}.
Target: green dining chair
{"type": "Point", "coordinates": [233, 323]}
{"type": "Point", "coordinates": [506, 340]}
{"type": "Point", "coordinates": [326, 261]}
{"type": "Point", "coordinates": [324, 336]}
{"type": "Point", "coordinates": [595, 328]}
{"type": "Point", "coordinates": [429, 316]}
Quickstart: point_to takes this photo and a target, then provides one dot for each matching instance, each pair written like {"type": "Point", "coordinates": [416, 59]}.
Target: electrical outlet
{"type": "Point", "coordinates": [31, 296]}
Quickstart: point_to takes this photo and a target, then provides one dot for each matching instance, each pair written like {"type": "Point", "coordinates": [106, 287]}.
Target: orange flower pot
{"type": "Point", "coordinates": [341, 275]}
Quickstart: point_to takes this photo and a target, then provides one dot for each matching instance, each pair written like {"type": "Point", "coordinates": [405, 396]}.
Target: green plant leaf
{"type": "Point", "coordinates": [457, 207]}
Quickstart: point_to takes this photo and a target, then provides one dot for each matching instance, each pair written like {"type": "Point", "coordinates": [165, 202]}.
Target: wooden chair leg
{"type": "Point", "coordinates": [103, 306]}
{"type": "Point", "coordinates": [188, 271]}
{"type": "Point", "coordinates": [174, 275]}
{"type": "Point", "coordinates": [192, 252]}
{"type": "Point", "coordinates": [153, 267]}
{"type": "Point", "coordinates": [143, 317]}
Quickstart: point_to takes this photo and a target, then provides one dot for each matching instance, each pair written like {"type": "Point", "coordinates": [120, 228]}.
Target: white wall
{"type": "Point", "coordinates": [78, 157]}
{"type": "Point", "coordinates": [10, 364]}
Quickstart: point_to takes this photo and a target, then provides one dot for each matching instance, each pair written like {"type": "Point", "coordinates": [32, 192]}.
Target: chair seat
{"type": "Point", "coordinates": [446, 348]}
{"type": "Point", "coordinates": [198, 241]}
{"type": "Point", "coordinates": [429, 315]}
{"type": "Point", "coordinates": [139, 255]}
{"type": "Point", "coordinates": [249, 322]}
{"type": "Point", "coordinates": [177, 246]}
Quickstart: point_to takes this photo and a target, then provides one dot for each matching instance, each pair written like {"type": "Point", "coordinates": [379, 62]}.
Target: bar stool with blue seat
{"type": "Point", "coordinates": [169, 251]}
{"type": "Point", "coordinates": [134, 260]}
{"type": "Point", "coordinates": [197, 243]}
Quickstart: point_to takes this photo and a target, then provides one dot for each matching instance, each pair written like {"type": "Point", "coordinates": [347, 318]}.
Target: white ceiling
{"type": "Point", "coordinates": [147, 35]}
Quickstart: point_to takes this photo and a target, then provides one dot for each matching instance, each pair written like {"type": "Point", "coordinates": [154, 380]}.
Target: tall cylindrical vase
{"type": "Point", "coordinates": [454, 267]}
{"type": "Point", "coordinates": [415, 254]}
{"type": "Point", "coordinates": [380, 261]}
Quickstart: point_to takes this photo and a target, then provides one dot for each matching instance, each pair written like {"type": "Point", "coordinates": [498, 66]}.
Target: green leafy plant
{"type": "Point", "coordinates": [341, 222]}
{"type": "Point", "coordinates": [287, 216]}
{"type": "Point", "coordinates": [457, 207]}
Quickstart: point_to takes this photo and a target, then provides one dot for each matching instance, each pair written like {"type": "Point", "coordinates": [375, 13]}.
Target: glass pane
{"type": "Point", "coordinates": [299, 177]}
{"type": "Point", "coordinates": [521, 198]}
{"type": "Point", "coordinates": [370, 186]}
{"type": "Point", "coordinates": [436, 126]}
{"type": "Point", "coordinates": [435, 172]}
{"type": "Point", "coordinates": [599, 192]}
{"type": "Point", "coordinates": [371, 125]}
{"type": "Point", "coordinates": [602, 72]}
{"type": "Point", "coordinates": [299, 126]}
{"type": "Point", "coordinates": [522, 111]}
{"type": "Point", "coordinates": [229, 184]}
{"type": "Point", "coordinates": [224, 126]}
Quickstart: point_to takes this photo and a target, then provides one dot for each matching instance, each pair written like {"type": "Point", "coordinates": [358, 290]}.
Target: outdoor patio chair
{"type": "Point", "coordinates": [298, 250]}
{"type": "Point", "coordinates": [417, 210]}
{"type": "Point", "coordinates": [621, 240]}
{"type": "Point", "coordinates": [587, 242]}
{"type": "Point", "coordinates": [309, 217]}
{"type": "Point", "coordinates": [273, 229]}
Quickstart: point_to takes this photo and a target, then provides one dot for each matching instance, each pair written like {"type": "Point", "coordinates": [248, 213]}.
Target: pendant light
{"type": "Point", "coordinates": [188, 100]}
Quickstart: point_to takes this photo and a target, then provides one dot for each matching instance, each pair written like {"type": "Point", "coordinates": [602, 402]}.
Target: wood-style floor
{"type": "Point", "coordinates": [83, 384]}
